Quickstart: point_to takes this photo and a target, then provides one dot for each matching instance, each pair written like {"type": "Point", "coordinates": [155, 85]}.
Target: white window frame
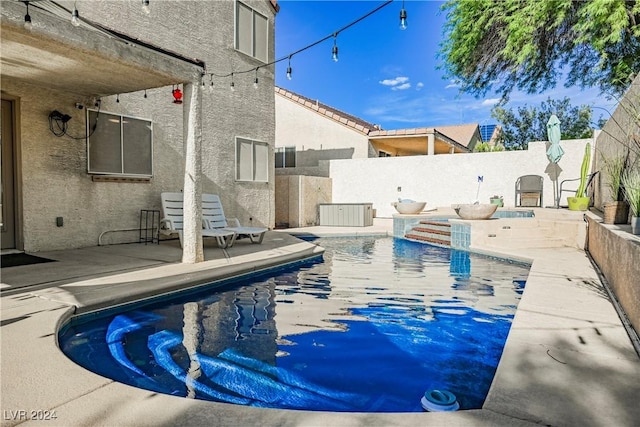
{"type": "Point", "coordinates": [256, 171]}
{"type": "Point", "coordinates": [253, 53]}
{"type": "Point", "coordinates": [282, 151]}
{"type": "Point", "coordinates": [103, 117]}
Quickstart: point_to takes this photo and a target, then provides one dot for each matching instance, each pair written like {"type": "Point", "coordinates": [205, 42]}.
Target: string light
{"type": "Point", "coordinates": [145, 94]}
{"type": "Point", "coordinates": [211, 83]}
{"type": "Point", "coordinates": [75, 16]}
{"type": "Point", "coordinates": [145, 7]}
{"type": "Point", "coordinates": [334, 51]}
{"type": "Point", "coordinates": [118, 98]}
{"type": "Point", "coordinates": [289, 70]}
{"type": "Point", "coordinates": [27, 19]}
{"type": "Point", "coordinates": [232, 86]}
{"type": "Point", "coordinates": [403, 17]}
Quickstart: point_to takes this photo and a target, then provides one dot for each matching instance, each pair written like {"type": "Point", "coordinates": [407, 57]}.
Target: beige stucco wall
{"type": "Point", "coordinates": [447, 179]}
{"type": "Point", "coordinates": [297, 199]}
{"type": "Point", "coordinates": [53, 175]}
{"type": "Point", "coordinates": [298, 126]}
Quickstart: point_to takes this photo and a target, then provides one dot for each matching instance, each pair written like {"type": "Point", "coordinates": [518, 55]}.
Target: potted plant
{"type": "Point", "coordinates": [497, 200]}
{"type": "Point", "coordinates": [631, 184]}
{"type": "Point", "coordinates": [580, 202]}
{"type": "Point", "coordinates": [617, 210]}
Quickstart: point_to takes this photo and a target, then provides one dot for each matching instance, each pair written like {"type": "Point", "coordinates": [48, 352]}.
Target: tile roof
{"type": "Point", "coordinates": [334, 114]}
{"type": "Point", "coordinates": [461, 134]}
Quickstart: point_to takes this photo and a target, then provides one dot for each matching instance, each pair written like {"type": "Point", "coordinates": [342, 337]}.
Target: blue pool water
{"type": "Point", "coordinates": [369, 329]}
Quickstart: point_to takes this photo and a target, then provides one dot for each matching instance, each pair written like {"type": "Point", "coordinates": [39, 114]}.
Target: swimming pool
{"type": "Point", "coordinates": [370, 329]}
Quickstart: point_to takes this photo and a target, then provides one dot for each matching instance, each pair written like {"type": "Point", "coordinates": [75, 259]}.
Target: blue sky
{"type": "Point", "coordinates": [385, 75]}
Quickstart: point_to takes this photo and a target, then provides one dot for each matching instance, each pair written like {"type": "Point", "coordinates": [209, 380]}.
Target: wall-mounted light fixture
{"type": "Point", "coordinates": [177, 95]}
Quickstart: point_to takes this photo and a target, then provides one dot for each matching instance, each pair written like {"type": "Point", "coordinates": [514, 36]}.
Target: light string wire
{"type": "Point", "coordinates": [288, 56]}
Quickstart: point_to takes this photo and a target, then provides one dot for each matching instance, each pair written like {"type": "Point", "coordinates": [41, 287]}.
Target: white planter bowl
{"type": "Point", "coordinates": [409, 207]}
{"type": "Point", "coordinates": [479, 211]}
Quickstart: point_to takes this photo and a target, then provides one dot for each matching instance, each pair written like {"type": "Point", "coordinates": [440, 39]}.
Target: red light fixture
{"type": "Point", "coordinates": [177, 95]}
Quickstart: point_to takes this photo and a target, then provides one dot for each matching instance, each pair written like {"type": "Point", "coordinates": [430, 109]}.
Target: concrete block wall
{"type": "Point", "coordinates": [297, 199]}
{"type": "Point", "coordinates": [451, 179]}
{"type": "Point", "coordinates": [617, 253]}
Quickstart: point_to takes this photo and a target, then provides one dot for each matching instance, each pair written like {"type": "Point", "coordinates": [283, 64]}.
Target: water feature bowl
{"type": "Point", "coordinates": [409, 207]}
{"type": "Point", "coordinates": [475, 211]}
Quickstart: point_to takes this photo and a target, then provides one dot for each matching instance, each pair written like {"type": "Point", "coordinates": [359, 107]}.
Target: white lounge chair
{"type": "Point", "coordinates": [173, 221]}
{"type": "Point", "coordinates": [213, 216]}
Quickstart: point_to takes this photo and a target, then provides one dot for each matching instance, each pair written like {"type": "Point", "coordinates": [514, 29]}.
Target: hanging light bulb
{"type": "Point", "coordinates": [27, 19]}
{"type": "Point", "coordinates": [145, 94]}
{"type": "Point", "coordinates": [75, 17]}
{"type": "Point", "coordinates": [210, 83]}
{"type": "Point", "coordinates": [334, 51]}
{"type": "Point", "coordinates": [289, 70]}
{"type": "Point", "coordinates": [145, 7]}
{"type": "Point", "coordinates": [255, 82]}
{"type": "Point", "coordinates": [403, 17]}
{"type": "Point", "coordinates": [118, 98]}
{"type": "Point", "coordinates": [232, 86]}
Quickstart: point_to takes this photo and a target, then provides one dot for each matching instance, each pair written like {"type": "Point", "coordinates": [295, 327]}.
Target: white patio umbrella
{"type": "Point", "coordinates": [555, 151]}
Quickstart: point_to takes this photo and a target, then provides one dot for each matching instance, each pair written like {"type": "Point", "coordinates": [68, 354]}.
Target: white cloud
{"type": "Point", "coordinates": [453, 84]}
{"type": "Point", "coordinates": [490, 102]}
{"type": "Point", "coordinates": [419, 86]}
{"type": "Point", "coordinates": [402, 86]}
{"type": "Point", "coordinates": [394, 82]}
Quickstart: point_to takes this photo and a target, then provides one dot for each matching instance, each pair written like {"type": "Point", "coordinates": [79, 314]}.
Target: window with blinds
{"type": "Point", "coordinates": [252, 160]}
{"type": "Point", "coordinates": [119, 145]}
{"type": "Point", "coordinates": [252, 32]}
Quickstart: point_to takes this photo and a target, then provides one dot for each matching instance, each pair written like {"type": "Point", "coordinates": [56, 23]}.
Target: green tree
{"type": "Point", "coordinates": [529, 123]}
{"type": "Point", "coordinates": [509, 44]}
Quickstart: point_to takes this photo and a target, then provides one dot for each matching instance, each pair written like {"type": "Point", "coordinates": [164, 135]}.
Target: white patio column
{"type": "Point", "coordinates": [192, 250]}
{"type": "Point", "coordinates": [431, 144]}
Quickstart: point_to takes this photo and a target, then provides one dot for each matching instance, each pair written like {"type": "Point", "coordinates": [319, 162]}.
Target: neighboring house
{"type": "Point", "coordinates": [309, 133]}
{"type": "Point", "coordinates": [91, 134]}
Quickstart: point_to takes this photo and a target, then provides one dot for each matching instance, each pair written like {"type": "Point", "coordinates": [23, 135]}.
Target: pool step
{"type": "Point", "coordinates": [437, 233]}
{"type": "Point", "coordinates": [521, 236]}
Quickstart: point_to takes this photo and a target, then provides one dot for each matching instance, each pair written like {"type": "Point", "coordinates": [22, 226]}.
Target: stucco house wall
{"type": "Point", "coordinates": [305, 129]}
{"type": "Point", "coordinates": [446, 180]}
{"type": "Point", "coordinates": [53, 171]}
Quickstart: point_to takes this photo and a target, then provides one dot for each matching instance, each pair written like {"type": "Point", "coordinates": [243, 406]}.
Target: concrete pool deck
{"type": "Point", "coordinates": [568, 359]}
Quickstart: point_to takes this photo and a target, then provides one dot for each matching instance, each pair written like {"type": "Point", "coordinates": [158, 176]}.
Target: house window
{"type": "Point", "coordinates": [285, 157]}
{"type": "Point", "coordinates": [252, 160]}
{"type": "Point", "coordinates": [252, 32]}
{"type": "Point", "coordinates": [119, 145]}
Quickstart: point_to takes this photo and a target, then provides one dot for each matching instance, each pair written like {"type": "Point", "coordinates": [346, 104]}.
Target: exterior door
{"type": "Point", "coordinates": [7, 211]}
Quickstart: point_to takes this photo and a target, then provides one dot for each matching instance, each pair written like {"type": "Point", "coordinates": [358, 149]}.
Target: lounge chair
{"type": "Point", "coordinates": [173, 221]}
{"type": "Point", "coordinates": [213, 216]}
